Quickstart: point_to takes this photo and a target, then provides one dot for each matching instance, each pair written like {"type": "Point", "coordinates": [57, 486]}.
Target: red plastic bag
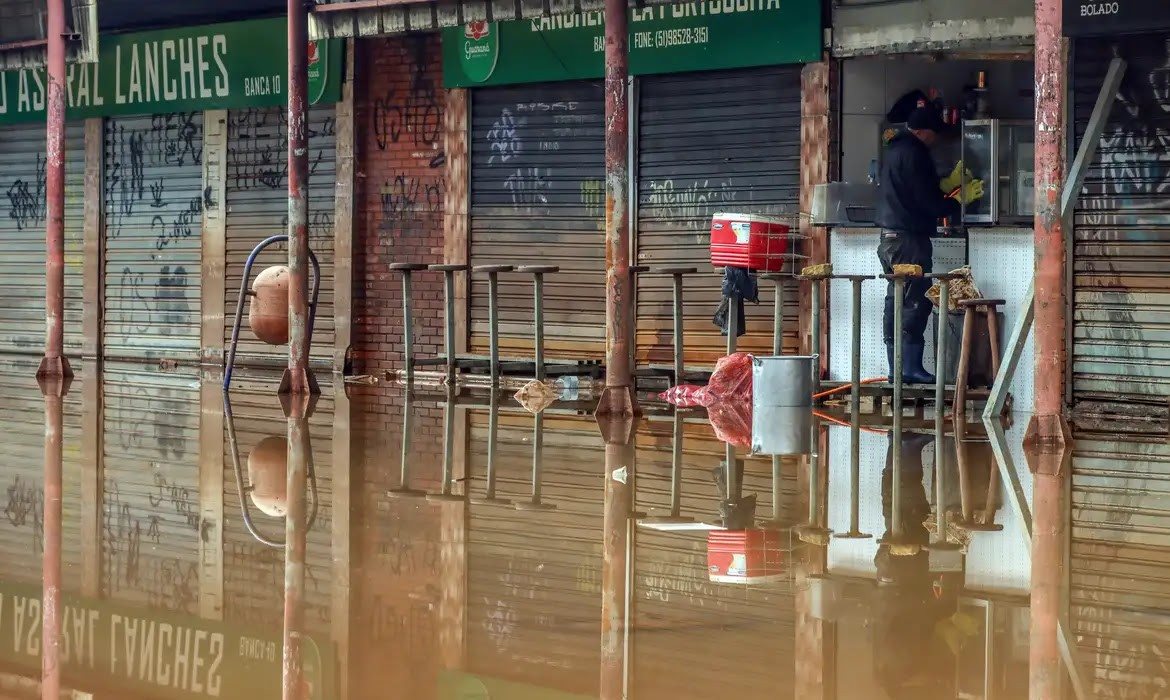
{"type": "Point", "coordinates": [684, 395]}
{"type": "Point", "coordinates": [732, 422]}
{"type": "Point", "coordinates": [731, 380]}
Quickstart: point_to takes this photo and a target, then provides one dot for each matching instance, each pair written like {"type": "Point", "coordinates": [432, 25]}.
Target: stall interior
{"type": "Point", "coordinates": [987, 102]}
{"type": "Point", "coordinates": [872, 87]}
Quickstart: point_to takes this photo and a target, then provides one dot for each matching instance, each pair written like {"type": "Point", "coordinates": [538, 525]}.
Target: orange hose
{"type": "Point", "coordinates": [838, 421]}
{"type": "Point", "coordinates": [846, 387]}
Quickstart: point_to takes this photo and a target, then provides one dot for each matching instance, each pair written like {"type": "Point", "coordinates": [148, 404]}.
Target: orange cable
{"type": "Point", "coordinates": [846, 387]}
{"type": "Point", "coordinates": [838, 421]}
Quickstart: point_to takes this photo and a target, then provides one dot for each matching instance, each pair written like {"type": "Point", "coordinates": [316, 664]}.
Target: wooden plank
{"type": "Point", "coordinates": [92, 475]}
{"type": "Point", "coordinates": [211, 425]}
{"type": "Point", "coordinates": [342, 533]}
{"type": "Point", "coordinates": [91, 316]}
{"type": "Point", "coordinates": [343, 218]}
{"type": "Point", "coordinates": [456, 202]}
{"type": "Point", "coordinates": [213, 238]}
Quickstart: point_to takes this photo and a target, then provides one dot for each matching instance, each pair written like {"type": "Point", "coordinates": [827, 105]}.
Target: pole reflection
{"type": "Point", "coordinates": [53, 390]}
{"type": "Point", "coordinates": [617, 553]}
{"type": "Point", "coordinates": [297, 409]}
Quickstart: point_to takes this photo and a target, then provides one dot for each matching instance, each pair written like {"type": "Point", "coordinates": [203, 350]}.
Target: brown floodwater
{"type": "Point", "coordinates": [460, 546]}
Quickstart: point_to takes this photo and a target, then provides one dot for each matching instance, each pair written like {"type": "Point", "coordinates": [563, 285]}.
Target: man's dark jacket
{"type": "Point", "coordinates": [909, 199]}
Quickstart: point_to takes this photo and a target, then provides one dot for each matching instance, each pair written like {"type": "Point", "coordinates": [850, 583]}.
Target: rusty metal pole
{"type": "Point", "coordinates": [53, 390]}
{"type": "Point", "coordinates": [298, 378]}
{"type": "Point", "coordinates": [617, 555]}
{"type": "Point", "coordinates": [295, 537]}
{"type": "Point", "coordinates": [54, 363]}
{"type": "Point", "coordinates": [1048, 423]}
{"type": "Point", "coordinates": [618, 398]}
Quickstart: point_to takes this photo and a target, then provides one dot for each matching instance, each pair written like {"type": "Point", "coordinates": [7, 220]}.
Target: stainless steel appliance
{"type": "Point", "coordinates": [1002, 154]}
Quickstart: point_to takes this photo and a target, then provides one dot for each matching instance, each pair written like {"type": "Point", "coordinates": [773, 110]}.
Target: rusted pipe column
{"type": "Point", "coordinates": [53, 389]}
{"type": "Point", "coordinates": [618, 398]}
{"type": "Point", "coordinates": [295, 533]}
{"type": "Point", "coordinates": [1048, 422]}
{"type": "Point", "coordinates": [1049, 466]}
{"type": "Point", "coordinates": [298, 378]}
{"type": "Point", "coordinates": [54, 363]}
{"type": "Point", "coordinates": [617, 553]}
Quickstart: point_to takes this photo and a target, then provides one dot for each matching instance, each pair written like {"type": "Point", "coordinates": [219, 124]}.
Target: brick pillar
{"type": "Point", "coordinates": [399, 199]}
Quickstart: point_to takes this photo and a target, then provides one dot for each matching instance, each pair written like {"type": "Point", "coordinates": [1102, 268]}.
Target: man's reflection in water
{"type": "Point", "coordinates": [917, 629]}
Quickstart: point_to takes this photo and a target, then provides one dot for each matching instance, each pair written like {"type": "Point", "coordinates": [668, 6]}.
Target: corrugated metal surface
{"type": "Point", "coordinates": [1121, 250]}
{"type": "Point", "coordinates": [710, 142]}
{"type": "Point", "coordinates": [253, 572]}
{"type": "Point", "coordinates": [1120, 558]}
{"type": "Point", "coordinates": [25, 21]}
{"type": "Point", "coordinates": [150, 534]}
{"type": "Point", "coordinates": [154, 209]}
{"type": "Point", "coordinates": [22, 527]}
{"type": "Point", "coordinates": [538, 197]}
{"type": "Point", "coordinates": [22, 228]}
{"type": "Point", "coordinates": [257, 201]}
{"type": "Point", "coordinates": [534, 596]}
{"type": "Point", "coordinates": [676, 603]}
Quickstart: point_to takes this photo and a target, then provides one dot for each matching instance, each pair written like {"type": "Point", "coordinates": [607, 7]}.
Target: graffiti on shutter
{"type": "Point", "coordinates": [150, 508]}
{"type": "Point", "coordinates": [154, 210]}
{"type": "Point", "coordinates": [22, 482]}
{"type": "Point", "coordinates": [537, 167]}
{"type": "Point", "coordinates": [254, 572]}
{"type": "Point", "coordinates": [534, 577]}
{"type": "Point", "coordinates": [257, 207]}
{"type": "Point", "coordinates": [22, 228]}
{"type": "Point", "coordinates": [1121, 239]}
{"type": "Point", "coordinates": [706, 143]}
{"type": "Point", "coordinates": [1120, 551]}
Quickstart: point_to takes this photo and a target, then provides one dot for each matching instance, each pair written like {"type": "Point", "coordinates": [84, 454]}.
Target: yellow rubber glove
{"type": "Point", "coordinates": [955, 179]}
{"type": "Point", "coordinates": [971, 192]}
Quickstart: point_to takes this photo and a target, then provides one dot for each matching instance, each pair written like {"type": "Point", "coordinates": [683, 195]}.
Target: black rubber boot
{"type": "Point", "coordinates": [890, 362]}
{"type": "Point", "coordinates": [912, 370]}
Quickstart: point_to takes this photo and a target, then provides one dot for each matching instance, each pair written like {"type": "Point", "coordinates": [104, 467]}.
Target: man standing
{"type": "Point", "coordinates": [911, 199]}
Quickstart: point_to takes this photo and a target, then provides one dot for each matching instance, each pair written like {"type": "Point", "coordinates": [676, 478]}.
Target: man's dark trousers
{"type": "Point", "coordinates": [901, 248]}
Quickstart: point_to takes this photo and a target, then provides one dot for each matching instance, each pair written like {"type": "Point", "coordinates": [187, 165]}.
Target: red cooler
{"type": "Point", "coordinates": [744, 556]}
{"type": "Point", "coordinates": [750, 241]}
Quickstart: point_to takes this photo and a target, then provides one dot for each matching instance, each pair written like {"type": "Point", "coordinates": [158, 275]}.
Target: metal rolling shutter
{"type": "Point", "coordinates": [22, 480]}
{"type": "Point", "coordinates": [154, 212]}
{"type": "Point", "coordinates": [710, 142]}
{"type": "Point", "coordinates": [675, 599]}
{"type": "Point", "coordinates": [538, 197]}
{"type": "Point", "coordinates": [254, 572]}
{"type": "Point", "coordinates": [534, 577]}
{"type": "Point", "coordinates": [150, 534]}
{"type": "Point", "coordinates": [1121, 240]}
{"type": "Point", "coordinates": [22, 228]}
{"type": "Point", "coordinates": [257, 207]}
{"type": "Point", "coordinates": [1119, 559]}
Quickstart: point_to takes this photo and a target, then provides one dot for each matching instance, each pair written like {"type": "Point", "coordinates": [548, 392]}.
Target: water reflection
{"type": "Point", "coordinates": [455, 545]}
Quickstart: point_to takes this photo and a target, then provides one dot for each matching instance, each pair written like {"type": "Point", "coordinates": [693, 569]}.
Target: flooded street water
{"type": "Point", "coordinates": [459, 546]}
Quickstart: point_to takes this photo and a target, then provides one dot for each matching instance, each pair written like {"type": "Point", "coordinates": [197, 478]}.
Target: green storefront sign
{"type": "Point", "coordinates": [217, 66]}
{"type": "Point", "coordinates": [674, 38]}
{"type": "Point", "coordinates": [154, 654]}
